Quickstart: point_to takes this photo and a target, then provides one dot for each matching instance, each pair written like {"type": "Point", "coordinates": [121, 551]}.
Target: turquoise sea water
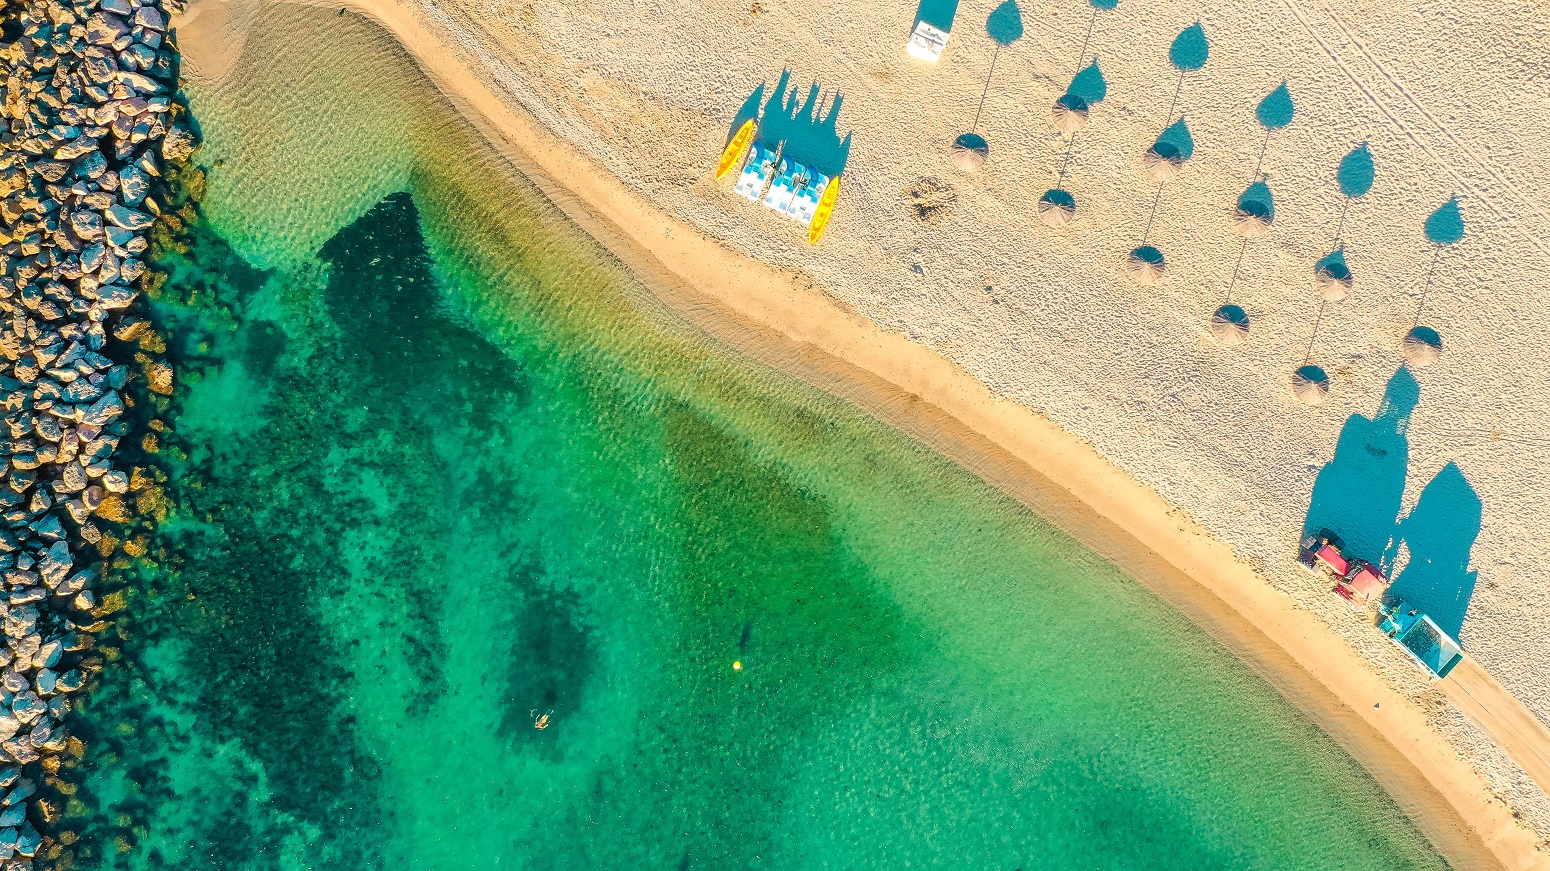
{"type": "Point", "coordinates": [450, 472]}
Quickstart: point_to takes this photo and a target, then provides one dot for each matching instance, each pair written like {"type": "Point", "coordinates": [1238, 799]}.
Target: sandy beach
{"type": "Point", "coordinates": [1108, 410]}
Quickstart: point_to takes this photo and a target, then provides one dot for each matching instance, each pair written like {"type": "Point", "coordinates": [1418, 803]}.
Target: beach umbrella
{"type": "Point", "coordinates": [1161, 167]}
{"type": "Point", "coordinates": [1070, 113]}
{"type": "Point", "coordinates": [1333, 277]}
{"type": "Point", "coordinates": [1444, 227]}
{"type": "Point", "coordinates": [1422, 346]}
{"type": "Point", "coordinates": [1334, 283]}
{"type": "Point", "coordinates": [1230, 325]}
{"type": "Point", "coordinates": [969, 152]}
{"type": "Point", "coordinates": [1004, 27]}
{"type": "Point", "coordinates": [1310, 384]}
{"type": "Point", "coordinates": [1146, 265]}
{"type": "Point", "coordinates": [1255, 211]}
{"type": "Point", "coordinates": [1252, 225]}
{"type": "Point", "coordinates": [1057, 207]}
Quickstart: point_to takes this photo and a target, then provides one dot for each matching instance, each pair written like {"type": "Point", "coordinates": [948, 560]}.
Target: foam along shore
{"type": "Point", "coordinates": [781, 319]}
{"type": "Point", "coordinates": [89, 128]}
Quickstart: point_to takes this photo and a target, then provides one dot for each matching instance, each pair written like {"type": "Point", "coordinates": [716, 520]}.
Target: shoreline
{"type": "Point", "coordinates": [775, 317]}
{"type": "Point", "coordinates": [90, 152]}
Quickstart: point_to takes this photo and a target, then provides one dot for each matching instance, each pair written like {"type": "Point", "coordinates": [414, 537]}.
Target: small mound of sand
{"type": "Point", "coordinates": [930, 199]}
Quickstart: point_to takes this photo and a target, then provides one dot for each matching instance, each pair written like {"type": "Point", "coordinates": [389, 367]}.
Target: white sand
{"type": "Point", "coordinates": [647, 90]}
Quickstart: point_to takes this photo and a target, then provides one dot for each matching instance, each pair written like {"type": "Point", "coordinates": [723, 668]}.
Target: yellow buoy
{"type": "Point", "coordinates": [737, 665]}
{"type": "Point", "coordinates": [733, 155]}
{"type": "Point", "coordinates": [831, 192]}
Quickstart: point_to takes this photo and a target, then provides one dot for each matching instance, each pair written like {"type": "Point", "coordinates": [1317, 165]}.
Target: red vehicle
{"type": "Point", "coordinates": [1357, 581]}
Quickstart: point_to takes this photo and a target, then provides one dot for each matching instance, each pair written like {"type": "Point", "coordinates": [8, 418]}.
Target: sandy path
{"type": "Point", "coordinates": [1514, 728]}
{"type": "Point", "coordinates": [780, 318]}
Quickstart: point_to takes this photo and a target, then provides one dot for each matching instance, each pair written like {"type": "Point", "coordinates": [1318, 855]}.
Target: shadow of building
{"type": "Point", "coordinates": [1439, 533]}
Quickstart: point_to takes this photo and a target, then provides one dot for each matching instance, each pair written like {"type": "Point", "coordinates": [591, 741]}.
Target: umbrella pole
{"type": "Point", "coordinates": [1086, 40]}
{"type": "Point", "coordinates": [1340, 224]}
{"type": "Point", "coordinates": [1174, 103]}
{"type": "Point", "coordinates": [1065, 162]}
{"type": "Point", "coordinates": [1260, 163]}
{"type": "Point", "coordinates": [1236, 266]}
{"type": "Point", "coordinates": [976, 126]}
{"type": "Point", "coordinates": [1152, 215]}
{"type": "Point", "coordinates": [1421, 307]}
{"type": "Point", "coordinates": [1307, 356]}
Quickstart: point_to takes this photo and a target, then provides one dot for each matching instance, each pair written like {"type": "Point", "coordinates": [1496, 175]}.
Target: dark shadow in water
{"type": "Point", "coordinates": [1176, 141]}
{"type": "Point", "coordinates": [550, 663]}
{"type": "Point", "coordinates": [937, 13]}
{"type": "Point", "coordinates": [1356, 172]}
{"type": "Point", "coordinates": [1357, 494]}
{"type": "Point", "coordinates": [1005, 24]}
{"type": "Point", "coordinates": [1089, 85]}
{"type": "Point", "coordinates": [1190, 49]}
{"type": "Point", "coordinates": [1446, 225]}
{"type": "Point", "coordinates": [811, 136]}
{"type": "Point", "coordinates": [1276, 110]}
{"type": "Point", "coordinates": [1439, 533]}
{"type": "Point", "coordinates": [1257, 200]}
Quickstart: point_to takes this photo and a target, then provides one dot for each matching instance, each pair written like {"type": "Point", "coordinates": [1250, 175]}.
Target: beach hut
{"type": "Point", "coordinates": [1423, 345]}
{"type": "Point", "coordinates": [1057, 207]}
{"type": "Point", "coordinates": [1230, 325]}
{"type": "Point", "coordinates": [1422, 640]}
{"type": "Point", "coordinates": [1146, 265]}
{"type": "Point", "coordinates": [1310, 384]}
{"type": "Point", "coordinates": [969, 152]}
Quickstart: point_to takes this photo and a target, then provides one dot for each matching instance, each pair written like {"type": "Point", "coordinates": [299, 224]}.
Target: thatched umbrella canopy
{"type": "Point", "coordinates": [1255, 211]}
{"type": "Point", "coordinates": [1145, 265]}
{"type": "Point", "coordinates": [969, 152]}
{"type": "Point", "coordinates": [1422, 347]}
{"type": "Point", "coordinates": [1057, 207]}
{"type": "Point", "coordinates": [1310, 384]}
{"type": "Point", "coordinates": [1070, 114]}
{"type": "Point", "coordinates": [1334, 280]}
{"type": "Point", "coordinates": [1161, 167]}
{"type": "Point", "coordinates": [1251, 222]}
{"type": "Point", "coordinates": [1230, 325]}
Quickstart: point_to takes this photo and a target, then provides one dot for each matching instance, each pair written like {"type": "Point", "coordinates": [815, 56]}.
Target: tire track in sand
{"type": "Point", "coordinates": [1502, 215]}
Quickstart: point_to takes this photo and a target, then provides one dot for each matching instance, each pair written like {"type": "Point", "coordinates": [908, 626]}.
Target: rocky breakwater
{"type": "Point", "coordinates": [88, 127]}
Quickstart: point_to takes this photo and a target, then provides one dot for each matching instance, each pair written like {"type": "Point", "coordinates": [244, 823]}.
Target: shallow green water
{"type": "Point", "coordinates": [450, 473]}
